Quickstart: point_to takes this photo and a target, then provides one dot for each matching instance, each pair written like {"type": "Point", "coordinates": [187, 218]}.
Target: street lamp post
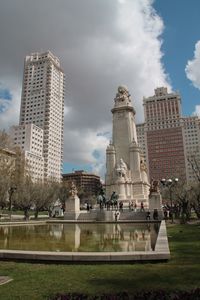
{"type": "Point", "coordinates": [169, 183]}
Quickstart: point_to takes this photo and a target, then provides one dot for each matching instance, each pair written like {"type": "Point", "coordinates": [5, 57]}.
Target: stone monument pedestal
{"type": "Point", "coordinates": [155, 201]}
{"type": "Point", "coordinates": [121, 189]}
{"type": "Point", "coordinates": [72, 208]}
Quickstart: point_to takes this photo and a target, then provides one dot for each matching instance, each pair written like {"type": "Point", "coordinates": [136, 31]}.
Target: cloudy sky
{"type": "Point", "coordinates": [101, 44]}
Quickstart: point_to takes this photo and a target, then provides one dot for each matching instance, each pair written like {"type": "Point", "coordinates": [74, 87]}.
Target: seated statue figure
{"type": "Point", "coordinates": [122, 169]}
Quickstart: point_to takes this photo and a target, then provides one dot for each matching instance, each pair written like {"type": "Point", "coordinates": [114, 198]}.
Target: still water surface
{"type": "Point", "coordinates": [80, 237]}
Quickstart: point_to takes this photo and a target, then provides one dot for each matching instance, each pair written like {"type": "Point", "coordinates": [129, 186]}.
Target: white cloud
{"type": "Point", "coordinates": [101, 44]}
{"type": "Point", "coordinates": [87, 143]}
{"type": "Point", "coordinates": [193, 67]}
{"type": "Point", "coordinates": [197, 111]}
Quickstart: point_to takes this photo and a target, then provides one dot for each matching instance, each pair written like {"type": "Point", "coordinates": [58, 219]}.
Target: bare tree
{"type": "Point", "coordinates": [5, 141]}
{"type": "Point", "coordinates": [63, 192]}
{"type": "Point", "coordinates": [4, 183]}
{"type": "Point", "coordinates": [44, 196]}
{"type": "Point", "coordinates": [182, 196]}
{"type": "Point", "coordinates": [195, 165]}
{"type": "Point", "coordinates": [51, 195]}
{"type": "Point", "coordinates": [195, 198]}
{"type": "Point", "coordinates": [7, 167]}
{"type": "Point", "coordinates": [23, 197]}
{"type": "Point", "coordinates": [177, 197]}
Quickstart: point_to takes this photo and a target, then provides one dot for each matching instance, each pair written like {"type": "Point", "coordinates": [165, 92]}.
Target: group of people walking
{"type": "Point", "coordinates": [114, 204]}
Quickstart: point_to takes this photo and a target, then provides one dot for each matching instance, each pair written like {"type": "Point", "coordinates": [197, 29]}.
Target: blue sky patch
{"type": "Point", "coordinates": [96, 154]}
{"type": "Point", "coordinates": [106, 134]}
{"type": "Point", "coordinates": [5, 94]}
{"type": "Point", "coordinates": [70, 167]}
{"type": "Point", "coordinates": [5, 97]}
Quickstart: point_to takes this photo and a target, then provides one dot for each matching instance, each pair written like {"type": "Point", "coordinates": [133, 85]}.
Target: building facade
{"type": "Point", "coordinates": [29, 138]}
{"type": "Point", "coordinates": [140, 128]}
{"type": "Point", "coordinates": [191, 129]}
{"type": "Point", "coordinates": [42, 104]}
{"type": "Point", "coordinates": [89, 183]}
{"type": "Point", "coordinates": [164, 138]}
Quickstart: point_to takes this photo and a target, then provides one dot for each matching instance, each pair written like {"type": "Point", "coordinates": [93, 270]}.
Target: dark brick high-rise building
{"type": "Point", "coordinates": [162, 138]}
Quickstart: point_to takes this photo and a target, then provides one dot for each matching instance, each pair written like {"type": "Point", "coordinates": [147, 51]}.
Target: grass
{"type": "Point", "coordinates": [40, 281]}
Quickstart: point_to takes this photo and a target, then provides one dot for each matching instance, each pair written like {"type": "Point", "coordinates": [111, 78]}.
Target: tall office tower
{"type": "Point", "coordinates": [164, 135]}
{"type": "Point", "coordinates": [191, 129]}
{"type": "Point", "coordinates": [42, 104]}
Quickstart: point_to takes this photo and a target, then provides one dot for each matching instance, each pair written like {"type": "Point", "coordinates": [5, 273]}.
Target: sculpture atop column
{"type": "Point", "coordinates": [126, 172]}
{"type": "Point", "coordinates": [122, 94]}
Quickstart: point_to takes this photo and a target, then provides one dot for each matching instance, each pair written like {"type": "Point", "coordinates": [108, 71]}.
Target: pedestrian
{"type": "Point", "coordinates": [142, 206]}
{"type": "Point", "coordinates": [116, 215]}
{"type": "Point", "coordinates": [165, 214]}
{"type": "Point", "coordinates": [135, 207]}
{"type": "Point", "coordinates": [132, 205]}
{"type": "Point", "coordinates": [148, 216]}
{"type": "Point", "coordinates": [155, 214]}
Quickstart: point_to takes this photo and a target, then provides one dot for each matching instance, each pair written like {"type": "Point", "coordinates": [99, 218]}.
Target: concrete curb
{"type": "Point", "coordinates": [161, 253]}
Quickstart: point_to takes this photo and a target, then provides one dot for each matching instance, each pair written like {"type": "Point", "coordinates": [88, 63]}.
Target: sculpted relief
{"type": "Point", "coordinates": [122, 169]}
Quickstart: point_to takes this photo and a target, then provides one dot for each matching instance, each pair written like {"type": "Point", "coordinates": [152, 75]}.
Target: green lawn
{"type": "Point", "coordinates": [39, 281]}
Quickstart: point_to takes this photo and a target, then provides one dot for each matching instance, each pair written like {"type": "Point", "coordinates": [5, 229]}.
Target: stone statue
{"type": "Point", "coordinates": [122, 169]}
{"type": "Point", "coordinates": [122, 94]}
{"type": "Point", "coordinates": [73, 190]}
{"type": "Point", "coordinates": [154, 187]}
{"type": "Point", "coordinates": [72, 204]}
{"type": "Point", "coordinates": [143, 166]}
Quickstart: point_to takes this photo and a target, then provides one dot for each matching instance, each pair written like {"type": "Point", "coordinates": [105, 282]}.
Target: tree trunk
{"type": "Point", "coordinates": [26, 214]}
{"type": "Point", "coordinates": [197, 212]}
{"type": "Point", "coordinates": [36, 214]}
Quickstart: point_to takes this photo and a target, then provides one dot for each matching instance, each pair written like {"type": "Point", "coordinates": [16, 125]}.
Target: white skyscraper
{"type": "Point", "coordinates": [42, 104]}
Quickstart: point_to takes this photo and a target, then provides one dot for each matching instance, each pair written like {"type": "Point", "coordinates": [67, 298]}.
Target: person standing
{"type": "Point", "coordinates": [135, 207]}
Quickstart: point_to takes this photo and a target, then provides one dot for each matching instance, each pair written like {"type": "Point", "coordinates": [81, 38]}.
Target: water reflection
{"type": "Point", "coordinates": [80, 237]}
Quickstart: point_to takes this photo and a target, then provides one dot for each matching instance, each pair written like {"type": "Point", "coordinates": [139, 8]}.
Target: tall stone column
{"type": "Point", "coordinates": [123, 162]}
{"type": "Point", "coordinates": [135, 161]}
{"type": "Point", "coordinates": [110, 167]}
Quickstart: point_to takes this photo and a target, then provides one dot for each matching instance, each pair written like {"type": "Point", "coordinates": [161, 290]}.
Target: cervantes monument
{"type": "Point", "coordinates": [125, 169]}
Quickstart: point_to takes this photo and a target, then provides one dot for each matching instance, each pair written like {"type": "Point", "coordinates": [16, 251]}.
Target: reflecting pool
{"type": "Point", "coordinates": [80, 237]}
